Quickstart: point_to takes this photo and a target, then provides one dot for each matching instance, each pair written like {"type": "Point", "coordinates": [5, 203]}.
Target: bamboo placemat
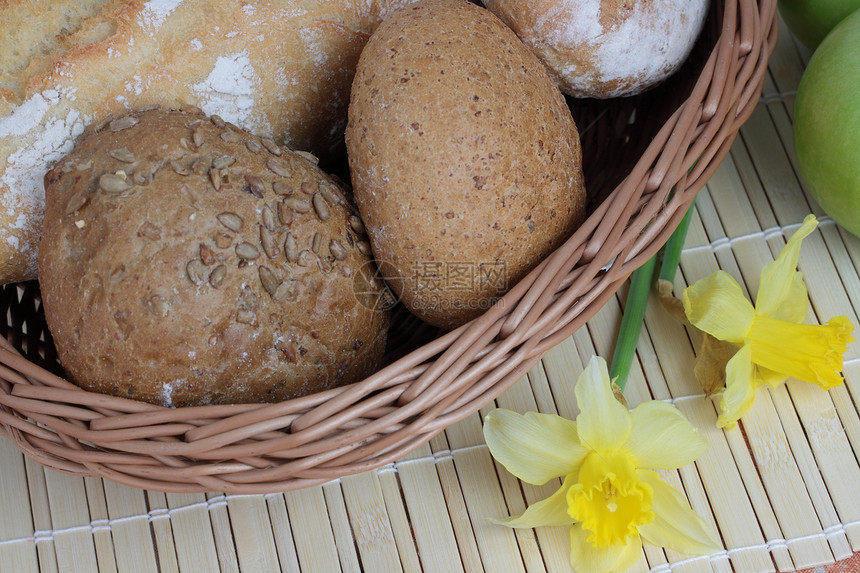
{"type": "Point", "coordinates": [781, 490]}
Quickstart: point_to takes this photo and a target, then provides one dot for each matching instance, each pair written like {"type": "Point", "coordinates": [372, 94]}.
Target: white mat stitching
{"type": "Point", "coordinates": [776, 97]}
{"type": "Point", "coordinates": [97, 525]}
{"type": "Point", "coordinates": [770, 545]}
{"type": "Point", "coordinates": [766, 234]}
{"type": "Point", "coordinates": [44, 535]}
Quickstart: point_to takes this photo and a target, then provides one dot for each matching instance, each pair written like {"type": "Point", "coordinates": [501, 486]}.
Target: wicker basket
{"type": "Point", "coordinates": [646, 157]}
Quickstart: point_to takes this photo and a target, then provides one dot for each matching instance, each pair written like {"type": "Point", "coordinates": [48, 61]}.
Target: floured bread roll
{"type": "Point", "coordinates": [280, 69]}
{"type": "Point", "coordinates": [604, 49]}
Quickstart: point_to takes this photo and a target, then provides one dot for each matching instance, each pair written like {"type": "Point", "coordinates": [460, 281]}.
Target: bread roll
{"type": "Point", "coordinates": [184, 261]}
{"type": "Point", "coordinates": [280, 69]}
{"type": "Point", "coordinates": [604, 49]}
{"type": "Point", "coordinates": [465, 160]}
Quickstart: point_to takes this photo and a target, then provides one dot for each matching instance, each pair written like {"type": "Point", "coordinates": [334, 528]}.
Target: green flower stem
{"type": "Point", "coordinates": [673, 247]}
{"type": "Point", "coordinates": [641, 282]}
{"type": "Point", "coordinates": [631, 322]}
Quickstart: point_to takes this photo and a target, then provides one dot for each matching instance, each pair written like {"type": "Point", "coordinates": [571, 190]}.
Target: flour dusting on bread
{"type": "Point", "coordinates": [228, 91]}
{"type": "Point", "coordinates": [82, 61]}
{"type": "Point", "coordinates": [50, 128]}
{"type": "Point", "coordinates": [606, 48]}
{"type": "Point", "coordinates": [155, 12]}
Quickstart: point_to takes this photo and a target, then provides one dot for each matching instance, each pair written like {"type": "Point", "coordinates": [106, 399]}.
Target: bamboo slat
{"type": "Point", "coordinates": [37, 491]}
{"type": "Point", "coordinates": [192, 531]}
{"type": "Point", "coordinates": [483, 496]}
{"type": "Point", "coordinates": [67, 504]}
{"type": "Point", "coordinates": [443, 463]}
{"type": "Point", "coordinates": [19, 525]}
{"type": "Point", "coordinates": [99, 523]}
{"type": "Point", "coordinates": [778, 468]}
{"type": "Point", "coordinates": [129, 528]}
{"type": "Point", "coordinates": [255, 540]}
{"type": "Point", "coordinates": [162, 531]}
{"type": "Point", "coordinates": [432, 528]}
{"type": "Point", "coordinates": [365, 503]}
{"type": "Point", "coordinates": [341, 528]}
{"type": "Point", "coordinates": [759, 496]}
{"type": "Point", "coordinates": [724, 484]}
{"type": "Point", "coordinates": [400, 525]}
{"type": "Point", "coordinates": [225, 545]}
{"type": "Point", "coordinates": [559, 364]}
{"type": "Point", "coordinates": [282, 531]}
{"type": "Point", "coordinates": [312, 530]}
{"type": "Point", "coordinates": [40, 510]}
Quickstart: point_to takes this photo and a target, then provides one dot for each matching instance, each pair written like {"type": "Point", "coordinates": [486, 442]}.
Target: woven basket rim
{"type": "Point", "coordinates": [263, 448]}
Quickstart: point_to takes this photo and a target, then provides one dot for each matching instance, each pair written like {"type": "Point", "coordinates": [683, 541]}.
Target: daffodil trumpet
{"type": "Point", "coordinates": [611, 497]}
{"type": "Point", "coordinates": [772, 341]}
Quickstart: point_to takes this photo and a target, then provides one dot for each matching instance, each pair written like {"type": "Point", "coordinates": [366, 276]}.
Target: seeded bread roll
{"type": "Point", "coordinates": [184, 261]}
{"type": "Point", "coordinates": [279, 69]}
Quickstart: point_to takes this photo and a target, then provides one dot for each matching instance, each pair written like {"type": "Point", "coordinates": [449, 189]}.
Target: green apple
{"type": "Point", "coordinates": [811, 20]}
{"type": "Point", "coordinates": [827, 124]}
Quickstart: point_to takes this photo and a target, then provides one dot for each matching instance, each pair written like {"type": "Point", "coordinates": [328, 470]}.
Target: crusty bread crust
{"type": "Point", "coordinates": [465, 160]}
{"type": "Point", "coordinates": [280, 69]}
{"type": "Point", "coordinates": [185, 261]}
{"type": "Point", "coordinates": [606, 48]}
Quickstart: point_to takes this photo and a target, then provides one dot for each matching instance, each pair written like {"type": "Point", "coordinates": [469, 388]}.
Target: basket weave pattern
{"type": "Point", "coordinates": [261, 448]}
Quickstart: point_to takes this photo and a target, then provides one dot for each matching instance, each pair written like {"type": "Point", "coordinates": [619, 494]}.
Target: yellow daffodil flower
{"type": "Point", "coordinates": [610, 495]}
{"type": "Point", "coordinates": [773, 341]}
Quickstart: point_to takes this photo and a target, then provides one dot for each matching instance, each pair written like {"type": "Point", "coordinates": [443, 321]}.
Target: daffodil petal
{"type": "Point", "coordinates": [778, 277]}
{"type": "Point", "coordinates": [551, 511]}
{"type": "Point", "coordinates": [676, 525]}
{"type": "Point", "coordinates": [603, 423]}
{"type": "Point", "coordinates": [717, 305]}
{"type": "Point", "coordinates": [534, 447]}
{"type": "Point", "coordinates": [740, 388]}
{"type": "Point", "coordinates": [587, 558]}
{"type": "Point", "coordinates": [662, 438]}
{"type": "Point", "coordinates": [770, 377]}
{"type": "Point", "coordinates": [795, 305]}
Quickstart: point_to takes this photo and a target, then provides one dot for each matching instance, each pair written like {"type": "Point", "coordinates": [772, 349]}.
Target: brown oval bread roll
{"type": "Point", "coordinates": [465, 160]}
{"type": "Point", "coordinates": [279, 69]}
{"type": "Point", "coordinates": [184, 261]}
{"type": "Point", "coordinates": [604, 49]}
